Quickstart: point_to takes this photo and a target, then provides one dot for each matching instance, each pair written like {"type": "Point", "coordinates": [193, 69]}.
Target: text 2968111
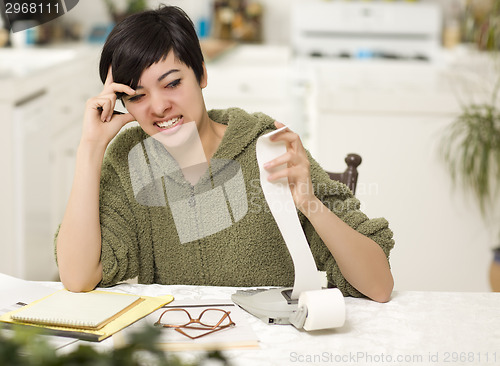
{"type": "Point", "coordinates": [33, 7]}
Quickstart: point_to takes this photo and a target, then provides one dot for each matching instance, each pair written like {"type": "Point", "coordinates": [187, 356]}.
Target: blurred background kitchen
{"type": "Point", "coordinates": [384, 79]}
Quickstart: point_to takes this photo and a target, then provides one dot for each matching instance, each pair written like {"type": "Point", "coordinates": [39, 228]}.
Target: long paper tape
{"type": "Point", "coordinates": [280, 201]}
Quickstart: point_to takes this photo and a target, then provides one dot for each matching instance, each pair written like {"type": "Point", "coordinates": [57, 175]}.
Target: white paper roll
{"type": "Point", "coordinates": [325, 309]}
{"type": "Point", "coordinates": [280, 201]}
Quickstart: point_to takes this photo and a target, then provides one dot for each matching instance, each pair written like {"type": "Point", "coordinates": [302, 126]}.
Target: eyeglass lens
{"type": "Point", "coordinates": [214, 317]}
{"type": "Point", "coordinates": [175, 317]}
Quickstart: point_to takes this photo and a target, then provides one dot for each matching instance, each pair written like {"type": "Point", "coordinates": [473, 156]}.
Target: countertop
{"type": "Point", "coordinates": [25, 71]}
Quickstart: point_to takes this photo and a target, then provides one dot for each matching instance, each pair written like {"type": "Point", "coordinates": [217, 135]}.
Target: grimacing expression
{"type": "Point", "coordinates": [168, 95]}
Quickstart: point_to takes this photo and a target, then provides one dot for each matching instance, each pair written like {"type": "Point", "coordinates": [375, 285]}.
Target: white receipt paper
{"type": "Point", "coordinates": [280, 201]}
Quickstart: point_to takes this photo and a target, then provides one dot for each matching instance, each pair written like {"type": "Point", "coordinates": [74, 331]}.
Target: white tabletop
{"type": "Point", "coordinates": [422, 328]}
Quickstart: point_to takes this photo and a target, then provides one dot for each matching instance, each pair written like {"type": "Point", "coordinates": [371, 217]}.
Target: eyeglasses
{"type": "Point", "coordinates": [210, 319]}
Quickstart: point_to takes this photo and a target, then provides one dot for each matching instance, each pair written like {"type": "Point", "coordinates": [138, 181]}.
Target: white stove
{"type": "Point", "coordinates": [359, 29]}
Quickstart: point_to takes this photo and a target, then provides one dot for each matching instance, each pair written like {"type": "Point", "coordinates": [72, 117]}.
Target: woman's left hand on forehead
{"type": "Point", "coordinates": [297, 168]}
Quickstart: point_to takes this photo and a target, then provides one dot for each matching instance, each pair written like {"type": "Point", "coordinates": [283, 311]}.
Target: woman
{"type": "Point", "coordinates": [126, 217]}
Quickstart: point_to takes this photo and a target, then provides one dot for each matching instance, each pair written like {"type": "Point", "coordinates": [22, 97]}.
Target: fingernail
{"type": "Point", "coordinates": [108, 118]}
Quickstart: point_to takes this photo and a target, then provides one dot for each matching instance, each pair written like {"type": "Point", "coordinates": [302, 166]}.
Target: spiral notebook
{"type": "Point", "coordinates": [84, 315]}
{"type": "Point", "coordinates": [92, 310]}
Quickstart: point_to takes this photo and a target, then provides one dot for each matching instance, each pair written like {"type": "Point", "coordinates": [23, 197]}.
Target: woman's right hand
{"type": "Point", "coordinates": [100, 125]}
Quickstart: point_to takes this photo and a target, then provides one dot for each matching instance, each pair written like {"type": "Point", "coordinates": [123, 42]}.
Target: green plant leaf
{"type": "Point", "coordinates": [471, 149]}
{"type": "Point", "coordinates": [26, 347]}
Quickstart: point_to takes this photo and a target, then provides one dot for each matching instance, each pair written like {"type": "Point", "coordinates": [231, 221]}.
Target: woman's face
{"type": "Point", "coordinates": [167, 97]}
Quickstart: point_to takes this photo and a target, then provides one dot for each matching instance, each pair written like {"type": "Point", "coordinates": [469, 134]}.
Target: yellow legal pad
{"type": "Point", "coordinates": [92, 316]}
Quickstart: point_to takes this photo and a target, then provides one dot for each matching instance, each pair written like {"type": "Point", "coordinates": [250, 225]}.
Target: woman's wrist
{"type": "Point", "coordinates": [89, 158]}
{"type": "Point", "coordinates": [312, 208]}
{"type": "Point", "coordinates": [92, 148]}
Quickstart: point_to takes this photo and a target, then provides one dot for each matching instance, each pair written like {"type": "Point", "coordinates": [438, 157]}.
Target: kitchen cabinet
{"type": "Point", "coordinates": [78, 82]}
{"type": "Point", "coordinates": [393, 115]}
{"type": "Point", "coordinates": [255, 78]}
{"type": "Point", "coordinates": [41, 113]}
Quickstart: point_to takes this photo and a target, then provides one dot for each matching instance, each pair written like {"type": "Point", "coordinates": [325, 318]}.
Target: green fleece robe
{"type": "Point", "coordinates": [140, 236]}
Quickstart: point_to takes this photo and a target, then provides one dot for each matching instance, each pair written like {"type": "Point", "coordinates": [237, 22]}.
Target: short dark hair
{"type": "Point", "coordinates": [145, 38]}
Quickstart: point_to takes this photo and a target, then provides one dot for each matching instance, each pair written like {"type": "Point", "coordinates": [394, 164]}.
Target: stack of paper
{"type": "Point", "coordinates": [91, 316]}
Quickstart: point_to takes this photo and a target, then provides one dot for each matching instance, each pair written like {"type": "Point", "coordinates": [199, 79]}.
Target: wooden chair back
{"type": "Point", "coordinates": [350, 176]}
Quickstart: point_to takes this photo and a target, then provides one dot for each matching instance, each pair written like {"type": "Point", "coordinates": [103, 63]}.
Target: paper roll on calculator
{"type": "Point", "coordinates": [305, 305]}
